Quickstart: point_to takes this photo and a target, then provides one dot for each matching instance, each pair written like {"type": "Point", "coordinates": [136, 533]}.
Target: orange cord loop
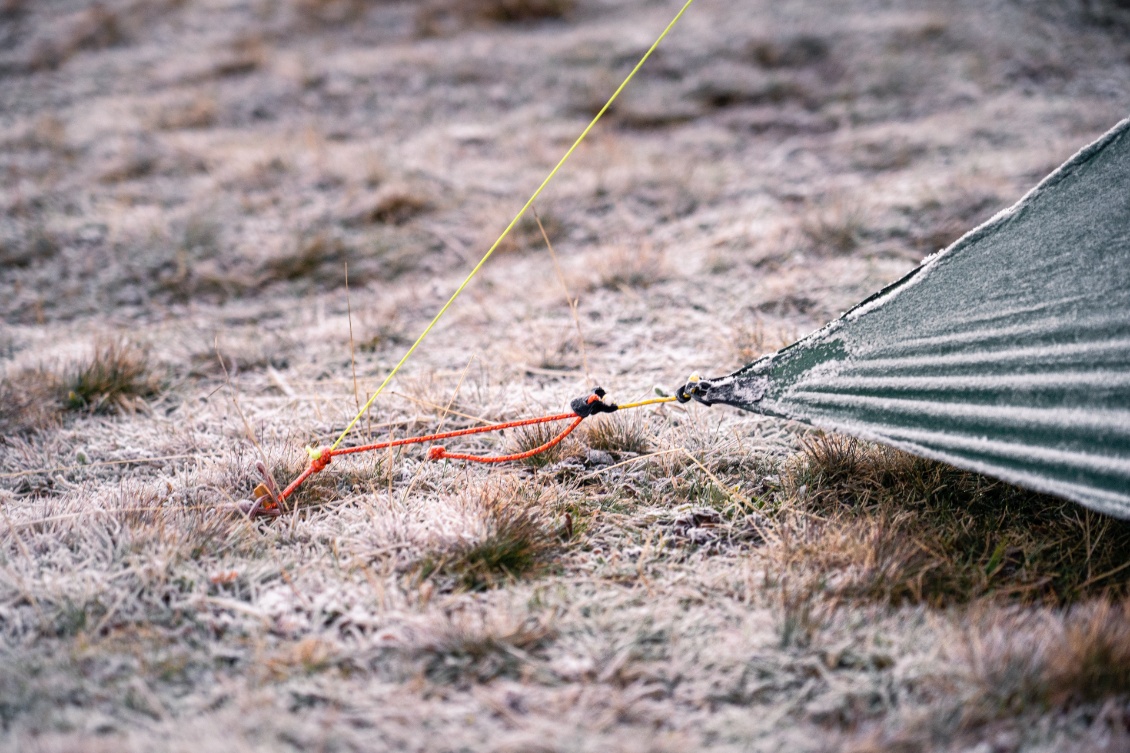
{"type": "Point", "coordinates": [439, 453]}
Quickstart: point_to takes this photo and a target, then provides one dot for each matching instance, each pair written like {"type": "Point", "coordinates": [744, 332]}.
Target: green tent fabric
{"type": "Point", "coordinates": [1007, 353]}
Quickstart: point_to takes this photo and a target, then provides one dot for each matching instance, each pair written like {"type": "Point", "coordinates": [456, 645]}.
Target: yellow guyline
{"type": "Point", "coordinates": [652, 401]}
{"type": "Point", "coordinates": [509, 227]}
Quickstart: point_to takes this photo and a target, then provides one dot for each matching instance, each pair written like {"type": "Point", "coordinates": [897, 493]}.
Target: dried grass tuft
{"type": "Point", "coordinates": [546, 347]}
{"type": "Point", "coordinates": [790, 52]}
{"type": "Point", "coordinates": [520, 11]}
{"type": "Point", "coordinates": [318, 257]}
{"type": "Point", "coordinates": [245, 54]}
{"type": "Point", "coordinates": [528, 437]}
{"type": "Point", "coordinates": [514, 538]}
{"type": "Point", "coordinates": [884, 525]}
{"type": "Point", "coordinates": [1041, 659]}
{"type": "Point", "coordinates": [1092, 661]}
{"type": "Point", "coordinates": [116, 378]}
{"type": "Point", "coordinates": [439, 17]}
{"type": "Point", "coordinates": [800, 612]}
{"type": "Point", "coordinates": [398, 205]}
{"type": "Point", "coordinates": [624, 267]}
{"type": "Point", "coordinates": [749, 339]}
{"type": "Point", "coordinates": [315, 256]}
{"type": "Point", "coordinates": [619, 433]}
{"type": "Point", "coordinates": [331, 11]}
{"type": "Point", "coordinates": [837, 227]}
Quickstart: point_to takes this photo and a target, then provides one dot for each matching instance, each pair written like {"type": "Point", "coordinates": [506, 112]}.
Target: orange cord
{"type": "Point", "coordinates": [439, 453]}
{"type": "Point", "coordinates": [269, 501]}
{"type": "Point", "coordinates": [321, 458]}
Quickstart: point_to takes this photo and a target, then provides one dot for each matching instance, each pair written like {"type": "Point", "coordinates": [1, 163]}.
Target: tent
{"type": "Point", "coordinates": [1007, 353]}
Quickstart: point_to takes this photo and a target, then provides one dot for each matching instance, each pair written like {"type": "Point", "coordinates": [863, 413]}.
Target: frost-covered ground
{"type": "Point", "coordinates": [184, 181]}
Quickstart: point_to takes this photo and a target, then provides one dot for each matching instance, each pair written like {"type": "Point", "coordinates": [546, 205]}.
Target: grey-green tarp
{"type": "Point", "coordinates": [1007, 353]}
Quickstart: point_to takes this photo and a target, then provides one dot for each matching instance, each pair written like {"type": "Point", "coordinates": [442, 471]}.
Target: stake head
{"type": "Point", "coordinates": [265, 498]}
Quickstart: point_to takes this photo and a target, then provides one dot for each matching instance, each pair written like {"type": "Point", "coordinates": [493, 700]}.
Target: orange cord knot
{"type": "Point", "coordinates": [319, 459]}
{"type": "Point", "coordinates": [437, 452]}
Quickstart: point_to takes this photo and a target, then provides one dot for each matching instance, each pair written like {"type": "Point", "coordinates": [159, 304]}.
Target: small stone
{"type": "Point", "coordinates": [599, 457]}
